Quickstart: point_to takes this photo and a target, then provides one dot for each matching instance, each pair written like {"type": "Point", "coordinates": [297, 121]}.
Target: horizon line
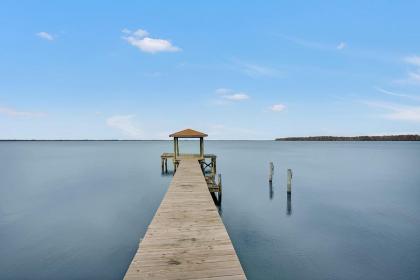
{"type": "Point", "coordinates": [274, 139]}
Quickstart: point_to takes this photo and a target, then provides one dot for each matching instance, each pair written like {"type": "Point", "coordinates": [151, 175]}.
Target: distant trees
{"type": "Point", "coordinates": [408, 137]}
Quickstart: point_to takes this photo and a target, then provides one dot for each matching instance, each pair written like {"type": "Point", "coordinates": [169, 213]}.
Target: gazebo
{"type": "Point", "coordinates": [207, 161]}
{"type": "Point", "coordinates": [177, 156]}
{"type": "Point", "coordinates": [192, 134]}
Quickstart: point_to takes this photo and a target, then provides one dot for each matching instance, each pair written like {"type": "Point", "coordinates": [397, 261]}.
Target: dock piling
{"type": "Point", "coordinates": [270, 178]}
{"type": "Point", "coordinates": [289, 180]}
{"type": "Point", "coordinates": [219, 183]}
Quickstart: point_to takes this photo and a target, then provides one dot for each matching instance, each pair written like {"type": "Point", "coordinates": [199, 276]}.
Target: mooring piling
{"type": "Point", "coordinates": [271, 170]}
{"type": "Point", "coordinates": [289, 180]}
{"type": "Point", "coordinates": [219, 194]}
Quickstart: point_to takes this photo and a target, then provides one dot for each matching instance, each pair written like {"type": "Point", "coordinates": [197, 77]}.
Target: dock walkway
{"type": "Point", "coordinates": [186, 238]}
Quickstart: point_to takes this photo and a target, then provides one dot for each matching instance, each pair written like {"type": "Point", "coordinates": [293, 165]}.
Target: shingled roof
{"type": "Point", "coordinates": [188, 133]}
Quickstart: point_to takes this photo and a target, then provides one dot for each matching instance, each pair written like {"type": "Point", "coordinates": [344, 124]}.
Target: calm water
{"type": "Point", "coordinates": [76, 210]}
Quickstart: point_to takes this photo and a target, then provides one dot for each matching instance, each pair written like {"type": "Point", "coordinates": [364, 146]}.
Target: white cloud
{"type": "Point", "coordinates": [140, 33]}
{"type": "Point", "coordinates": [411, 114]}
{"type": "Point", "coordinates": [45, 35]}
{"type": "Point", "coordinates": [413, 76]}
{"type": "Point", "coordinates": [398, 112]}
{"type": "Point", "coordinates": [313, 44]}
{"type": "Point", "coordinates": [141, 40]}
{"type": "Point", "coordinates": [10, 112]}
{"type": "Point", "coordinates": [236, 97]}
{"type": "Point", "coordinates": [405, 114]}
{"type": "Point", "coordinates": [231, 95]}
{"type": "Point", "coordinates": [412, 97]}
{"type": "Point", "coordinates": [341, 46]}
{"type": "Point", "coordinates": [222, 91]}
{"type": "Point", "coordinates": [278, 107]}
{"type": "Point", "coordinates": [354, 51]}
{"type": "Point", "coordinates": [125, 124]}
{"type": "Point", "coordinates": [151, 45]}
{"type": "Point", "coordinates": [414, 60]}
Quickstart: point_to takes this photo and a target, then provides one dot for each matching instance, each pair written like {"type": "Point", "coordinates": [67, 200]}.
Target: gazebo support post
{"type": "Point", "coordinates": [201, 147]}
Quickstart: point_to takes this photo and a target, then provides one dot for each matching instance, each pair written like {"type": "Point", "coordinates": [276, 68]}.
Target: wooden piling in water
{"type": "Point", "coordinates": [219, 195]}
{"type": "Point", "coordinates": [289, 180]}
{"type": "Point", "coordinates": [271, 171]}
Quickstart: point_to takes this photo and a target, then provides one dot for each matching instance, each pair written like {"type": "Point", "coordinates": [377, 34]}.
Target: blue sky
{"type": "Point", "coordinates": [233, 69]}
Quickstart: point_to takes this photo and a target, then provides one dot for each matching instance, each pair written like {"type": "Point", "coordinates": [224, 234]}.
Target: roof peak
{"type": "Point", "coordinates": [188, 133]}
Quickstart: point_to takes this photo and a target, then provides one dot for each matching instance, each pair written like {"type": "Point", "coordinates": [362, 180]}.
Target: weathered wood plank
{"type": "Point", "coordinates": [186, 238]}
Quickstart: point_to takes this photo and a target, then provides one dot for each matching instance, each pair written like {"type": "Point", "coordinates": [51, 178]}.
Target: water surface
{"type": "Point", "coordinates": [76, 210]}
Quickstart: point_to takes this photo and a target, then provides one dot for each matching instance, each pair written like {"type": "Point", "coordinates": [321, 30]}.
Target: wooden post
{"type": "Point", "coordinates": [161, 163]}
{"type": "Point", "coordinates": [201, 147]}
{"type": "Point", "coordinates": [203, 167]}
{"type": "Point", "coordinates": [220, 188]}
{"type": "Point", "coordinates": [215, 165]}
{"type": "Point", "coordinates": [270, 178]}
{"type": "Point", "coordinates": [289, 180]}
{"type": "Point", "coordinates": [166, 165]}
{"type": "Point", "coordinates": [175, 140]}
{"type": "Point", "coordinates": [177, 147]}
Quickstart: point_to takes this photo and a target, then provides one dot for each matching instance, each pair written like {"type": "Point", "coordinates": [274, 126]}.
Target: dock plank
{"type": "Point", "coordinates": [186, 238]}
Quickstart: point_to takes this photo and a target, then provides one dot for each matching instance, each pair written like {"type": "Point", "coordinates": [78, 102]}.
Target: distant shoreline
{"type": "Point", "coordinates": [407, 137]}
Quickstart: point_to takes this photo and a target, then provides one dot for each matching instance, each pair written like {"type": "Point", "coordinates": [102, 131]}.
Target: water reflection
{"type": "Point", "coordinates": [289, 204]}
{"type": "Point", "coordinates": [168, 173]}
{"type": "Point", "coordinates": [219, 208]}
{"type": "Point", "coordinates": [271, 192]}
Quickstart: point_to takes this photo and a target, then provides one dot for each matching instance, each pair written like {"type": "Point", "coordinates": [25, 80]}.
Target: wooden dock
{"type": "Point", "coordinates": [186, 238]}
{"type": "Point", "coordinates": [165, 156]}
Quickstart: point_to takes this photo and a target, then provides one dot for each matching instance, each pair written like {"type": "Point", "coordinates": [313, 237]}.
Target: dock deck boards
{"type": "Point", "coordinates": [186, 238]}
{"type": "Point", "coordinates": [171, 155]}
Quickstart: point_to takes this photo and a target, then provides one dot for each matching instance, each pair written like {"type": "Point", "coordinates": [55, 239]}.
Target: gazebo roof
{"type": "Point", "coordinates": [188, 133]}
